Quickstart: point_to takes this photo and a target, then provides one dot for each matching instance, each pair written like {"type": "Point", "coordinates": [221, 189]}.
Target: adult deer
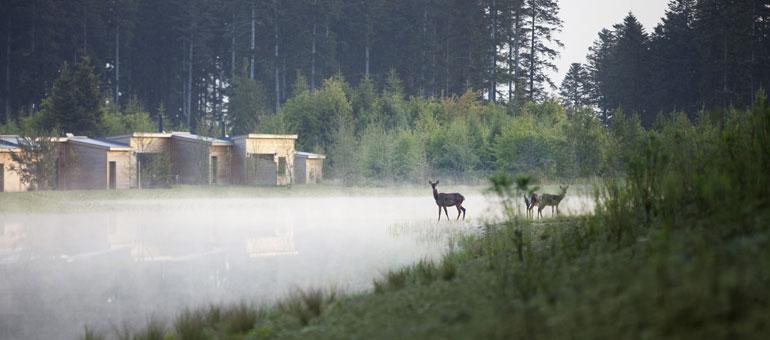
{"type": "Point", "coordinates": [448, 200]}
{"type": "Point", "coordinates": [551, 200]}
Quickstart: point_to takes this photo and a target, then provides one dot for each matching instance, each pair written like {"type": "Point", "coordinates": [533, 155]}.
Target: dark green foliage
{"type": "Point", "coordinates": [247, 106]}
{"type": "Point", "coordinates": [679, 248]}
{"type": "Point", "coordinates": [38, 161]}
{"type": "Point", "coordinates": [242, 318]}
{"type": "Point", "coordinates": [75, 103]}
{"type": "Point", "coordinates": [155, 330]}
{"type": "Point", "coordinates": [705, 54]}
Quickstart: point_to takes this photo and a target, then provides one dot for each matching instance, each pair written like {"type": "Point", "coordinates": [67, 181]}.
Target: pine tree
{"type": "Point", "coordinates": [630, 71]}
{"type": "Point", "coordinates": [541, 25]}
{"type": "Point", "coordinates": [248, 104]}
{"type": "Point", "coordinates": [599, 60]}
{"type": "Point", "coordinates": [675, 56]}
{"type": "Point", "coordinates": [75, 103]}
{"type": "Point", "coordinates": [575, 89]}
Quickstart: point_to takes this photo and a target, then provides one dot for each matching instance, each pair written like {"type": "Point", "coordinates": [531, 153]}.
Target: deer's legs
{"type": "Point", "coordinates": [446, 213]}
{"type": "Point", "coordinates": [439, 213]}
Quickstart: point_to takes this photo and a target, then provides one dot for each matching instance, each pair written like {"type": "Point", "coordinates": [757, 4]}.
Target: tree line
{"type": "Point", "coordinates": [184, 58]}
{"type": "Point", "coordinates": [704, 55]}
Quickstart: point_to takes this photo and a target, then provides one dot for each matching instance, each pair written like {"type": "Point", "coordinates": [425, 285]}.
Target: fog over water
{"type": "Point", "coordinates": [122, 262]}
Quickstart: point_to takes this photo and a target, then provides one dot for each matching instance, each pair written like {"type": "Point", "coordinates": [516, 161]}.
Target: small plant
{"type": "Point", "coordinates": [90, 334]}
{"type": "Point", "coordinates": [242, 318]}
{"type": "Point", "coordinates": [425, 271]}
{"type": "Point", "coordinates": [155, 330]}
{"type": "Point", "coordinates": [307, 305]}
{"type": "Point", "coordinates": [448, 269]}
{"type": "Point", "coordinates": [190, 325]}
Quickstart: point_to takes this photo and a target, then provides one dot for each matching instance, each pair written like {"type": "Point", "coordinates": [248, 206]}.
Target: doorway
{"type": "Point", "coordinates": [214, 169]}
{"type": "Point", "coordinates": [113, 174]}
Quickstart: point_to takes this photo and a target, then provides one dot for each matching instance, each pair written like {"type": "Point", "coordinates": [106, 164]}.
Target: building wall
{"type": "Point", "coordinates": [83, 168]}
{"type": "Point", "coordinates": [315, 170]}
{"type": "Point", "coordinates": [150, 144]}
{"type": "Point", "coordinates": [124, 168]}
{"type": "Point", "coordinates": [11, 179]}
{"type": "Point", "coordinates": [224, 156]}
{"type": "Point", "coordinates": [300, 170]}
{"type": "Point", "coordinates": [238, 162]}
{"type": "Point", "coordinates": [190, 161]}
{"type": "Point", "coordinates": [281, 148]}
{"type": "Point", "coordinates": [261, 169]}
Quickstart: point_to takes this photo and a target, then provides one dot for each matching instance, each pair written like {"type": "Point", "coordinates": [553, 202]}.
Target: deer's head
{"type": "Point", "coordinates": [564, 189]}
{"type": "Point", "coordinates": [433, 185]}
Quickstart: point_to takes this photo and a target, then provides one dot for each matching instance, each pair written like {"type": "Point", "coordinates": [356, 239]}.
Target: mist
{"type": "Point", "coordinates": [117, 263]}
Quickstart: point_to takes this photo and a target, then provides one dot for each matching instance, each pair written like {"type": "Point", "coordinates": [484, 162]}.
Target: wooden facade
{"type": "Point", "coordinates": [262, 159]}
{"type": "Point", "coordinates": [128, 161]}
{"type": "Point", "coordinates": [308, 167]}
{"type": "Point", "coordinates": [10, 180]}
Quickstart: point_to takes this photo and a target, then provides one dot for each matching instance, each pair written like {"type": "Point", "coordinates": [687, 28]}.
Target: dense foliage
{"type": "Point", "coordinates": [386, 137]}
{"type": "Point", "coordinates": [705, 54]}
{"type": "Point", "coordinates": [188, 55]}
{"type": "Point", "coordinates": [680, 248]}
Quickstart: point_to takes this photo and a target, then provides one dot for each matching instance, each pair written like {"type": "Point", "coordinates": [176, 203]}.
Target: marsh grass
{"type": "Point", "coordinates": [679, 248]}
{"type": "Point", "coordinates": [90, 334]}
{"type": "Point", "coordinates": [191, 325]}
{"type": "Point", "coordinates": [242, 318]}
{"type": "Point", "coordinates": [154, 330]}
{"type": "Point", "coordinates": [306, 305]}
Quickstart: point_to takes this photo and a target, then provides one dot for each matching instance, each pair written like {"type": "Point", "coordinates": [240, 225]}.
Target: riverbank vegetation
{"type": "Point", "coordinates": [679, 248]}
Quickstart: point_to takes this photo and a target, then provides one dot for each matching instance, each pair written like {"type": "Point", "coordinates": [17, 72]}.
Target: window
{"type": "Point", "coordinates": [282, 166]}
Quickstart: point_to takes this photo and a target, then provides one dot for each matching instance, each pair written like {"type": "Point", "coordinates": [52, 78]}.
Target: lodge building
{"type": "Point", "coordinates": [142, 160]}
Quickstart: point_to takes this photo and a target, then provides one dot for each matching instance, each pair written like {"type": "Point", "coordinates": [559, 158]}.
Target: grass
{"type": "Point", "coordinates": [86, 200]}
{"type": "Point", "coordinates": [679, 248]}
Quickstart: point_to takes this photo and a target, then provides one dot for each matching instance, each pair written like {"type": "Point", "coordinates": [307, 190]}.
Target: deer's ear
{"type": "Point", "coordinates": [436, 182]}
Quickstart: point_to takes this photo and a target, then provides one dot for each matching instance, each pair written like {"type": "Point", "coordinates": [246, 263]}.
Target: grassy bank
{"type": "Point", "coordinates": [561, 278]}
{"type": "Point", "coordinates": [74, 201]}
{"type": "Point", "coordinates": [680, 248]}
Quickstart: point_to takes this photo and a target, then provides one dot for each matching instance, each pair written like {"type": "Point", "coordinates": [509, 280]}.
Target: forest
{"type": "Point", "coordinates": [457, 89]}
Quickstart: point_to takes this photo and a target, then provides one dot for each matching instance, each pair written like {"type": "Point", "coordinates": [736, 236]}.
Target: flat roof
{"type": "Point", "coordinates": [100, 144]}
{"type": "Point", "coordinates": [265, 136]}
{"type": "Point", "coordinates": [310, 155]}
{"type": "Point", "coordinates": [197, 138]}
{"type": "Point", "coordinates": [10, 139]}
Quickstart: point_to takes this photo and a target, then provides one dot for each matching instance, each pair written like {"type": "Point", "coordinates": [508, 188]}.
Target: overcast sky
{"type": "Point", "coordinates": [583, 19]}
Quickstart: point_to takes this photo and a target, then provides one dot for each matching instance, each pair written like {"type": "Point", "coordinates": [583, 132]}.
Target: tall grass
{"type": "Point", "coordinates": [677, 248]}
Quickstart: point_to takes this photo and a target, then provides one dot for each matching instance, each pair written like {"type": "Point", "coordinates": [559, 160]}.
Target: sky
{"type": "Point", "coordinates": [583, 19]}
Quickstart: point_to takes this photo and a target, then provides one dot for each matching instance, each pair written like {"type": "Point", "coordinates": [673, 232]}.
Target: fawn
{"type": "Point", "coordinates": [448, 200]}
{"type": "Point", "coordinates": [551, 200]}
{"type": "Point", "coordinates": [530, 202]}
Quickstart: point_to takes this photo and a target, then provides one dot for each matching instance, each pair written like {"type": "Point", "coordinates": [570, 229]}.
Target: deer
{"type": "Point", "coordinates": [551, 200]}
{"type": "Point", "coordinates": [448, 200]}
{"type": "Point", "coordinates": [530, 202]}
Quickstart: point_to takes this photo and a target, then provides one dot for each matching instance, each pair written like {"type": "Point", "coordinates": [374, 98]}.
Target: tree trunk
{"type": "Point", "coordinates": [232, 50]}
{"type": "Point", "coordinates": [7, 112]}
{"type": "Point", "coordinates": [532, 55]}
{"type": "Point", "coordinates": [117, 66]}
{"type": "Point", "coordinates": [367, 58]}
{"type": "Point", "coordinates": [446, 67]}
{"type": "Point", "coordinates": [516, 51]}
{"type": "Point", "coordinates": [493, 57]}
{"type": "Point", "coordinates": [313, 56]}
{"type": "Point", "coordinates": [252, 51]}
{"type": "Point", "coordinates": [189, 83]}
{"type": "Point", "coordinates": [276, 62]}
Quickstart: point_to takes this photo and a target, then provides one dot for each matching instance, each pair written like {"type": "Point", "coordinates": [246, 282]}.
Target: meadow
{"type": "Point", "coordinates": [678, 247]}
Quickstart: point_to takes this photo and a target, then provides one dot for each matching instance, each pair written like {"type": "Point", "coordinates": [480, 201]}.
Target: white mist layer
{"type": "Point", "coordinates": [128, 261]}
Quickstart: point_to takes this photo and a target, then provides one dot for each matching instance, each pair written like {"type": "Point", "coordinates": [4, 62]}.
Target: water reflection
{"type": "Point", "coordinates": [126, 261]}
